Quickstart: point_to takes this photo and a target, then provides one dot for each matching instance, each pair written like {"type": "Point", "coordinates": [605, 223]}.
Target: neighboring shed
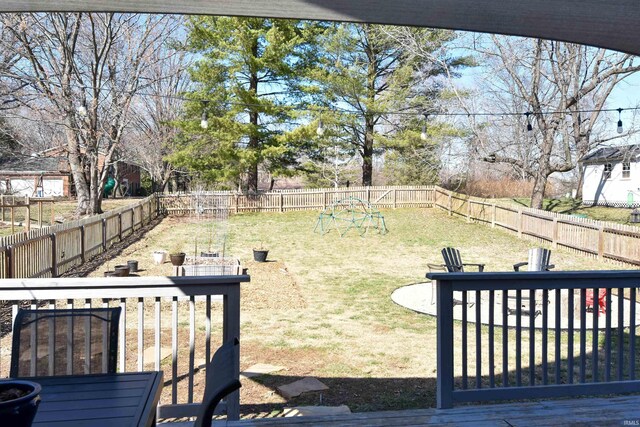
{"type": "Point", "coordinates": [48, 174]}
{"type": "Point", "coordinates": [612, 176]}
{"type": "Point", "coordinates": [35, 176]}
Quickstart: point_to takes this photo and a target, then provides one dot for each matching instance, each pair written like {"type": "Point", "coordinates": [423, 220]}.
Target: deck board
{"type": "Point", "coordinates": [602, 411]}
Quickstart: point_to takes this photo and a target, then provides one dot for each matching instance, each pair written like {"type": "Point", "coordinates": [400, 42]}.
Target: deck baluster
{"type": "Point", "coordinates": [632, 333]}
{"type": "Point", "coordinates": [595, 343]}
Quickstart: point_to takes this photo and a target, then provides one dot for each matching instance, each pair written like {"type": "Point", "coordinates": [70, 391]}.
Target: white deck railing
{"type": "Point", "coordinates": [173, 324]}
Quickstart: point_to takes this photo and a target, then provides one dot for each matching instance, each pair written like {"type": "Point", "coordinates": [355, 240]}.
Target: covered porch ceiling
{"type": "Point", "coordinates": [612, 24]}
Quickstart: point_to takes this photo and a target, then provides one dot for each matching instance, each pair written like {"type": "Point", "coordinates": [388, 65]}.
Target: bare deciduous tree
{"type": "Point", "coordinates": [83, 70]}
{"type": "Point", "coordinates": [560, 89]}
{"type": "Point", "coordinates": [153, 129]}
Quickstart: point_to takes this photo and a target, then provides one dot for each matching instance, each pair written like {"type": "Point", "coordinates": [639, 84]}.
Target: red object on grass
{"type": "Point", "coordinates": [602, 305]}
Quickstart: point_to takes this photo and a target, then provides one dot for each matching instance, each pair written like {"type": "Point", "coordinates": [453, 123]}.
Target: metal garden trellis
{"type": "Point", "coordinates": [352, 212]}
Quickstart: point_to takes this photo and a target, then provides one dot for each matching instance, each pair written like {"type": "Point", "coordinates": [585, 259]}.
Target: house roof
{"type": "Point", "coordinates": [608, 154]}
{"type": "Point", "coordinates": [32, 164]}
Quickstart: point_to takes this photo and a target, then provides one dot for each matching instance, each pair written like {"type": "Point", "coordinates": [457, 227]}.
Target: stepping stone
{"type": "Point", "coordinates": [304, 385]}
{"type": "Point", "coordinates": [150, 354]}
{"type": "Point", "coordinates": [304, 411]}
{"type": "Point", "coordinates": [260, 369]}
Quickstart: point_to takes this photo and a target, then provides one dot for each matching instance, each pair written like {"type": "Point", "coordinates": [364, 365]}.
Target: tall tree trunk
{"type": "Point", "coordinates": [77, 171]}
{"type": "Point", "coordinates": [254, 146]}
{"type": "Point", "coordinates": [254, 143]}
{"type": "Point", "coordinates": [367, 153]}
{"type": "Point", "coordinates": [580, 182]}
{"type": "Point", "coordinates": [537, 195]}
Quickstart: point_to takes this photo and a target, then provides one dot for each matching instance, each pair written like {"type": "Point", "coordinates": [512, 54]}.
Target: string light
{"type": "Point", "coordinates": [529, 127]}
{"type": "Point", "coordinates": [204, 123]}
{"type": "Point", "coordinates": [620, 129]}
{"type": "Point", "coordinates": [423, 134]}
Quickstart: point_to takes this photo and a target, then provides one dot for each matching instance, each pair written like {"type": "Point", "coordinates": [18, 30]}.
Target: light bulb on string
{"type": "Point", "coordinates": [320, 129]}
{"type": "Point", "coordinates": [204, 123]}
{"type": "Point", "coordinates": [529, 126]}
{"type": "Point", "coordinates": [620, 129]}
{"type": "Point", "coordinates": [423, 134]}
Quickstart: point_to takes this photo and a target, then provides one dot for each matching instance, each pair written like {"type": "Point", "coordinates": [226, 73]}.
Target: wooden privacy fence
{"type": "Point", "coordinates": [52, 251]}
{"type": "Point", "coordinates": [604, 240]}
{"type": "Point", "coordinates": [530, 335]}
{"type": "Point", "coordinates": [172, 324]}
{"type": "Point", "coordinates": [300, 200]}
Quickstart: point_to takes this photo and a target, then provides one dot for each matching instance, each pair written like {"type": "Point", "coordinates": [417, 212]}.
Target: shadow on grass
{"type": "Point", "coordinates": [359, 394]}
{"type": "Point", "coordinates": [383, 394]}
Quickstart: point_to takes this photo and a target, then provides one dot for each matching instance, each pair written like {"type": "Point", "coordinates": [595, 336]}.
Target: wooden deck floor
{"type": "Point", "coordinates": [613, 411]}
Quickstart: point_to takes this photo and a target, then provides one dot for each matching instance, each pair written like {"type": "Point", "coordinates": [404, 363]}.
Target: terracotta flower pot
{"type": "Point", "coordinates": [177, 259]}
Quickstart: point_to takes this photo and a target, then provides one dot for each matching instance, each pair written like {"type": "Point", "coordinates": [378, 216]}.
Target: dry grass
{"type": "Point", "coordinates": [321, 307]}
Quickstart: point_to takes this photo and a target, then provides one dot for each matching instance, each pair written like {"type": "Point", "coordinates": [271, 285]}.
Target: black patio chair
{"type": "Point", "coordinates": [539, 260]}
{"type": "Point", "coordinates": [453, 262]}
{"type": "Point", "coordinates": [221, 380]}
{"type": "Point", "coordinates": [64, 342]}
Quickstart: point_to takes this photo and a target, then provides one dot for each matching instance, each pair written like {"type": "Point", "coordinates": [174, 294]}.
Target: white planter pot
{"type": "Point", "coordinates": [159, 257]}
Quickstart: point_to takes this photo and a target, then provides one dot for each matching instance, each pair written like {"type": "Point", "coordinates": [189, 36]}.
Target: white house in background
{"type": "Point", "coordinates": [612, 177]}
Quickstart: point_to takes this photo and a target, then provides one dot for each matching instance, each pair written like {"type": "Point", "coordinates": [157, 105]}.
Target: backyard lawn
{"type": "Point", "coordinates": [321, 306]}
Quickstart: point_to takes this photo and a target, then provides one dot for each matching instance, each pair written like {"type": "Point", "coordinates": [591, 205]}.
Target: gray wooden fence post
{"type": "Point", "coordinates": [493, 216]}
{"type": "Point", "coordinates": [83, 247]}
{"type": "Point", "coordinates": [444, 390]}
{"type": "Point", "coordinates": [10, 261]}
{"type": "Point", "coordinates": [104, 234]}
{"type": "Point", "coordinates": [54, 256]}
{"type": "Point", "coordinates": [601, 241]}
{"type": "Point", "coordinates": [28, 215]}
{"type": "Point", "coordinates": [520, 223]}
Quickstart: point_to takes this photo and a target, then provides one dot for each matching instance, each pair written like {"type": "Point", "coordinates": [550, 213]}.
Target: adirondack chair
{"type": "Point", "coordinates": [538, 260]}
{"type": "Point", "coordinates": [601, 303]}
{"type": "Point", "coordinates": [453, 261]}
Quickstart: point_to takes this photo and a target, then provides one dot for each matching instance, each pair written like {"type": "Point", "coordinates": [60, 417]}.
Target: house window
{"type": "Point", "coordinates": [607, 171]}
{"type": "Point", "coordinates": [626, 170]}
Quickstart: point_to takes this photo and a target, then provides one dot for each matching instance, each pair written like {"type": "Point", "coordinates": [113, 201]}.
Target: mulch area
{"type": "Point", "coordinates": [116, 249]}
{"type": "Point", "coordinates": [272, 287]}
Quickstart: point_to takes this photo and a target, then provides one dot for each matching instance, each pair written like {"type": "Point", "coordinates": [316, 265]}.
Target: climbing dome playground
{"type": "Point", "coordinates": [350, 213]}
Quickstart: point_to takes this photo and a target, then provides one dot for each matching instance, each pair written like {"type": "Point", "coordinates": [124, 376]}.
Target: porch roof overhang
{"type": "Point", "coordinates": [612, 24]}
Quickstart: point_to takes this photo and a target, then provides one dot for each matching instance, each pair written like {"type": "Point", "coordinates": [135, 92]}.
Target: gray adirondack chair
{"type": "Point", "coordinates": [539, 260]}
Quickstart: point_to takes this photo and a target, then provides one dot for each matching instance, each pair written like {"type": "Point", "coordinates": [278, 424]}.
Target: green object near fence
{"type": "Point", "coordinates": [630, 199]}
{"type": "Point", "coordinates": [350, 213]}
{"type": "Point", "coordinates": [108, 187]}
